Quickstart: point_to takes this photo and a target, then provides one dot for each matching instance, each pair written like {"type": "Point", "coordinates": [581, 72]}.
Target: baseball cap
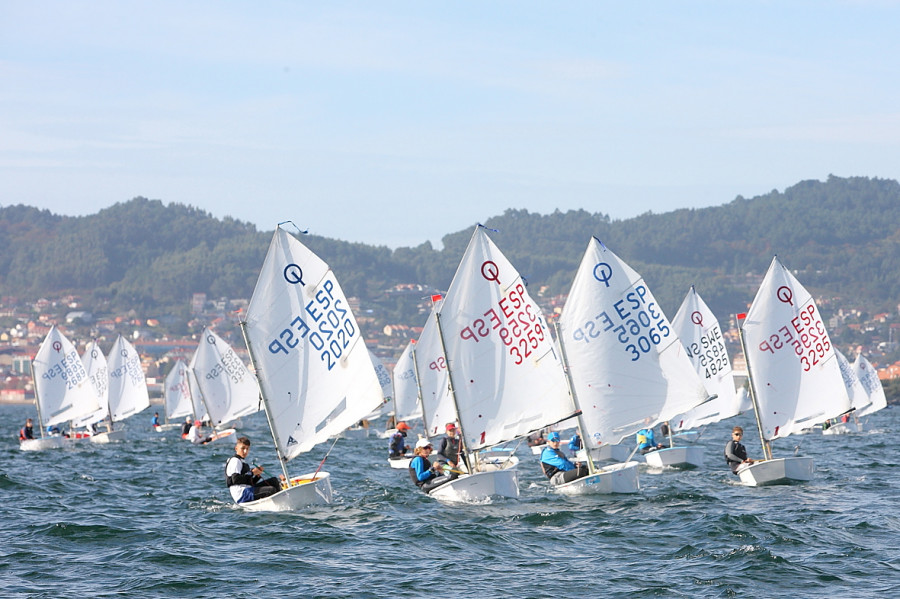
{"type": "Point", "coordinates": [402, 426]}
{"type": "Point", "coordinates": [423, 442]}
{"type": "Point", "coordinates": [554, 436]}
{"type": "Point", "coordinates": [450, 426]}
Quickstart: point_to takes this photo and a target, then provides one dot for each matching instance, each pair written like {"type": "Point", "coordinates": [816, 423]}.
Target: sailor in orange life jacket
{"type": "Point", "coordinates": [27, 431]}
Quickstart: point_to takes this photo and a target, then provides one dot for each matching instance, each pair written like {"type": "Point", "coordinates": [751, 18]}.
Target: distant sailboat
{"type": "Point", "coordinates": [127, 387]}
{"type": "Point", "coordinates": [859, 399]}
{"type": "Point", "coordinates": [62, 390]}
{"type": "Point", "coordinates": [795, 377]}
{"type": "Point", "coordinates": [314, 370]}
{"type": "Point", "coordinates": [872, 384]}
{"type": "Point", "coordinates": [98, 372]}
{"type": "Point", "coordinates": [227, 387]}
{"type": "Point", "coordinates": [405, 385]}
{"type": "Point", "coordinates": [701, 335]}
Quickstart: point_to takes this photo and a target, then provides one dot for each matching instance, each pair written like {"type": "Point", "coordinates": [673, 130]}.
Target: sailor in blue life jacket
{"type": "Point", "coordinates": [246, 483]}
{"type": "Point", "coordinates": [27, 431]}
{"type": "Point", "coordinates": [155, 421]}
{"type": "Point", "coordinates": [575, 443]}
{"type": "Point", "coordinates": [397, 444]}
{"type": "Point", "coordinates": [53, 430]}
{"type": "Point", "coordinates": [646, 441]}
{"type": "Point", "coordinates": [423, 473]}
{"type": "Point", "coordinates": [556, 466]}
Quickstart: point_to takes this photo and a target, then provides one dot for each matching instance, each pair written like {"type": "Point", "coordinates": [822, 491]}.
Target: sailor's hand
{"type": "Point", "coordinates": [257, 471]}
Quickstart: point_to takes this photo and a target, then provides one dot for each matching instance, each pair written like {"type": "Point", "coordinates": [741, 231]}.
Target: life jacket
{"type": "Point", "coordinates": [22, 436]}
{"type": "Point", "coordinates": [397, 444]}
{"type": "Point", "coordinates": [642, 438]}
{"type": "Point", "coordinates": [412, 471]}
{"type": "Point", "coordinates": [244, 477]}
{"type": "Point", "coordinates": [550, 469]}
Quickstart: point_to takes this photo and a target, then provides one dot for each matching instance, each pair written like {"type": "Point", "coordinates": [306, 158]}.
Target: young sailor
{"type": "Point", "coordinates": [27, 431]}
{"type": "Point", "coordinates": [244, 482]}
{"type": "Point", "coordinates": [397, 445]}
{"type": "Point", "coordinates": [423, 474]}
{"type": "Point", "coordinates": [735, 452]}
{"type": "Point", "coordinates": [556, 465]}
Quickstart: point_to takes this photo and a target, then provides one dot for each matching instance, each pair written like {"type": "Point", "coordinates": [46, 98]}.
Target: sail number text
{"type": "Point", "coordinates": [326, 325]}
{"type": "Point", "coordinates": [636, 322]}
{"type": "Point", "coordinates": [804, 334]}
{"type": "Point", "coordinates": [230, 363]}
{"type": "Point", "coordinates": [709, 352]}
{"type": "Point", "coordinates": [70, 369]}
{"type": "Point", "coordinates": [516, 324]}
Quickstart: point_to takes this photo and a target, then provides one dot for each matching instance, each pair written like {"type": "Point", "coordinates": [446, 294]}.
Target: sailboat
{"type": "Point", "coordinates": [62, 390]}
{"type": "Point", "coordinates": [127, 388]}
{"type": "Point", "coordinates": [701, 335]}
{"type": "Point", "coordinates": [503, 375]}
{"type": "Point", "coordinates": [406, 392]}
{"type": "Point", "coordinates": [227, 387]}
{"type": "Point", "coordinates": [362, 429]}
{"type": "Point", "coordinates": [177, 397]}
{"type": "Point", "coordinates": [627, 368]}
{"type": "Point", "coordinates": [795, 377]}
{"type": "Point", "coordinates": [872, 384]}
{"type": "Point", "coordinates": [313, 367]}
{"type": "Point", "coordinates": [859, 398]}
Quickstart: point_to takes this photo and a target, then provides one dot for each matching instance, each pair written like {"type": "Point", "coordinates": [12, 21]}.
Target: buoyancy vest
{"type": "Point", "coordinates": [412, 471]}
{"type": "Point", "coordinates": [550, 469]}
{"type": "Point", "coordinates": [244, 477]}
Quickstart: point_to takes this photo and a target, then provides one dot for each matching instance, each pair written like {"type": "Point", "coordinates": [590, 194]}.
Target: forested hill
{"type": "Point", "coordinates": [841, 237]}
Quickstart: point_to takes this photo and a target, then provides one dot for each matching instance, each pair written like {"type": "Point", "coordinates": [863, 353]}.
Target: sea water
{"type": "Point", "coordinates": [151, 517]}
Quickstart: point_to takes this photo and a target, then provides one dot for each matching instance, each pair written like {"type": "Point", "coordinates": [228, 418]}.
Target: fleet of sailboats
{"type": "Point", "coordinates": [486, 361]}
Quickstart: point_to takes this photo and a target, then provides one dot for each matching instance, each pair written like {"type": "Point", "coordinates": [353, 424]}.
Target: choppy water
{"type": "Point", "coordinates": [151, 517]}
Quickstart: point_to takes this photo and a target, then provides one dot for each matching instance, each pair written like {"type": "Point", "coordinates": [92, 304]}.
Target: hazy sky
{"type": "Point", "coordinates": [394, 123]}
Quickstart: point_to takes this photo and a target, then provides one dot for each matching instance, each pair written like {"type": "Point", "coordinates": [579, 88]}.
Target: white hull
{"type": "Point", "coordinates": [537, 449]}
{"type": "Point", "coordinates": [843, 428]}
{"type": "Point", "coordinates": [778, 471]}
{"type": "Point", "coordinates": [491, 463]}
{"type": "Point", "coordinates": [355, 433]}
{"type": "Point", "coordinates": [615, 478]}
{"type": "Point", "coordinates": [108, 437]}
{"type": "Point", "coordinates": [226, 435]}
{"type": "Point", "coordinates": [480, 487]}
{"type": "Point", "coordinates": [301, 495]}
{"type": "Point", "coordinates": [401, 463]}
{"type": "Point", "coordinates": [166, 427]}
{"type": "Point", "coordinates": [675, 457]}
{"type": "Point", "coordinates": [42, 444]}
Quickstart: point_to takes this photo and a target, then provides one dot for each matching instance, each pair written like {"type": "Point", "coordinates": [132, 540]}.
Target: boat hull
{"type": "Point", "coordinates": [480, 487]}
{"type": "Point", "coordinates": [42, 444]}
{"type": "Point", "coordinates": [400, 463]}
{"type": "Point", "coordinates": [108, 437]}
{"type": "Point", "coordinates": [225, 435]}
{"type": "Point", "coordinates": [780, 471]}
{"type": "Point", "coordinates": [842, 428]}
{"type": "Point", "coordinates": [304, 492]}
{"type": "Point", "coordinates": [615, 478]}
{"type": "Point", "coordinates": [675, 457]}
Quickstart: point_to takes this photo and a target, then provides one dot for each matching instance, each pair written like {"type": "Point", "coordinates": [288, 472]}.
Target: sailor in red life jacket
{"type": "Point", "coordinates": [27, 431]}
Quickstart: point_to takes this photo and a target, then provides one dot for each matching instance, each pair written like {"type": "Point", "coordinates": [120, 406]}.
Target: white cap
{"type": "Point", "coordinates": [423, 442]}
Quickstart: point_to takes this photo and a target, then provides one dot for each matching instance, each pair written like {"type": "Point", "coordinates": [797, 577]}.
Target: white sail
{"type": "Point", "coordinates": [431, 367]}
{"type": "Point", "coordinates": [62, 386]}
{"type": "Point", "coordinates": [406, 386]}
{"type": "Point", "coordinates": [229, 388]}
{"type": "Point", "coordinates": [127, 385]}
{"type": "Point", "coordinates": [699, 331]}
{"type": "Point", "coordinates": [98, 372]}
{"type": "Point", "coordinates": [384, 380]}
{"type": "Point", "coordinates": [314, 369]}
{"type": "Point", "coordinates": [507, 377]}
{"type": "Point", "coordinates": [859, 398]}
{"type": "Point", "coordinates": [178, 398]}
{"type": "Point", "coordinates": [868, 377]}
{"type": "Point", "coordinates": [793, 366]}
{"type": "Point", "coordinates": [627, 366]}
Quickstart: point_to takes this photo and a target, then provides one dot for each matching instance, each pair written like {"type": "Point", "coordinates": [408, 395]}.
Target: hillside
{"type": "Point", "coordinates": [841, 236]}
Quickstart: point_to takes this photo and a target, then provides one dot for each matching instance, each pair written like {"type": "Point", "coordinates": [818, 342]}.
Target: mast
{"type": "Point", "coordinates": [262, 393]}
{"type": "Point", "coordinates": [581, 427]}
{"type": "Point", "coordinates": [462, 432]}
{"type": "Point", "coordinates": [767, 448]}
{"type": "Point", "coordinates": [37, 399]}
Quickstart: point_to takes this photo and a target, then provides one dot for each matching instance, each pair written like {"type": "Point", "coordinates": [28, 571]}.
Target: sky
{"type": "Point", "coordinates": [394, 123]}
